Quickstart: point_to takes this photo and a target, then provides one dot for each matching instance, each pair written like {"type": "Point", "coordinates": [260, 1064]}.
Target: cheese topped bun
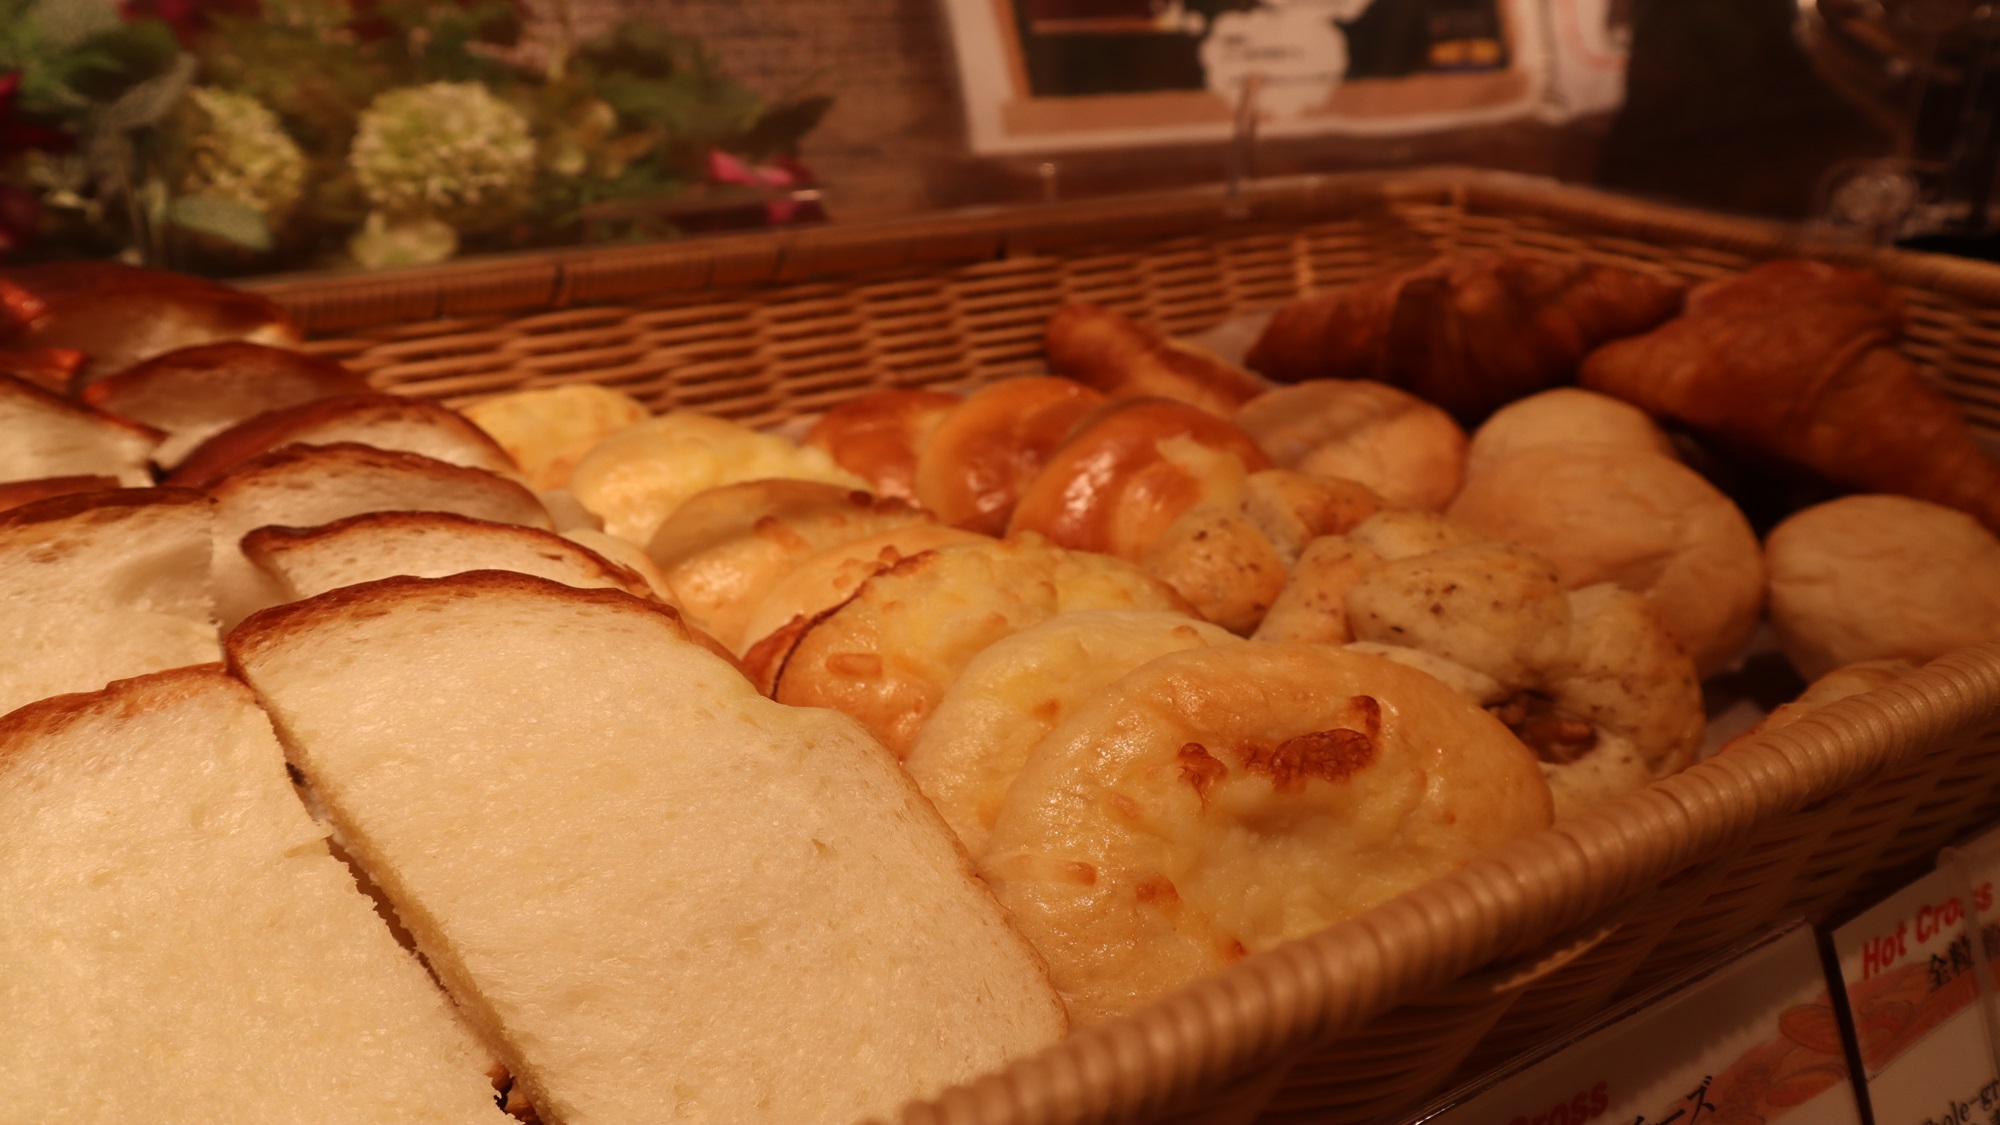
{"type": "Point", "coordinates": [1216, 802]}
{"type": "Point", "coordinates": [546, 430]}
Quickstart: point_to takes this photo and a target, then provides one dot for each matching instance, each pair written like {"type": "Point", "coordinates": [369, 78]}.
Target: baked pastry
{"type": "Point", "coordinates": [1841, 683]}
{"type": "Point", "coordinates": [779, 927]}
{"type": "Point", "coordinates": [1469, 332]}
{"type": "Point", "coordinates": [1019, 689]}
{"type": "Point", "coordinates": [1129, 471]}
{"type": "Point", "coordinates": [1409, 452]}
{"type": "Point", "coordinates": [191, 394]}
{"type": "Point", "coordinates": [118, 315]}
{"type": "Point", "coordinates": [1219, 801]}
{"type": "Point", "coordinates": [99, 586]}
{"type": "Point", "coordinates": [1795, 361]}
{"type": "Point", "coordinates": [1125, 359]}
{"type": "Point", "coordinates": [182, 946]}
{"type": "Point", "coordinates": [1565, 416]}
{"type": "Point", "coordinates": [725, 549]}
{"type": "Point", "coordinates": [983, 455]}
{"type": "Point", "coordinates": [382, 421]}
{"type": "Point", "coordinates": [878, 436]}
{"type": "Point", "coordinates": [13, 494]}
{"type": "Point", "coordinates": [1875, 577]}
{"type": "Point", "coordinates": [43, 434]}
{"type": "Point", "coordinates": [1646, 522]}
{"type": "Point", "coordinates": [308, 561]}
{"type": "Point", "coordinates": [51, 369]}
{"type": "Point", "coordinates": [546, 430]}
{"type": "Point", "coordinates": [311, 485]}
{"type": "Point", "coordinates": [888, 654]}
{"type": "Point", "coordinates": [635, 479]}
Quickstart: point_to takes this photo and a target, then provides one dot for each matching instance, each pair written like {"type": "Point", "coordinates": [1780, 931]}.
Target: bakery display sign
{"type": "Point", "coordinates": [1050, 75]}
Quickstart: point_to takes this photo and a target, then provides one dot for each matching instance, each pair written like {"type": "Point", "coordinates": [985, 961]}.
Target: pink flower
{"type": "Point", "coordinates": [783, 172]}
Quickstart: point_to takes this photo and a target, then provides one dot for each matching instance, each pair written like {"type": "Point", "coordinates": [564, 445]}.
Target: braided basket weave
{"type": "Point", "coordinates": [1364, 1020]}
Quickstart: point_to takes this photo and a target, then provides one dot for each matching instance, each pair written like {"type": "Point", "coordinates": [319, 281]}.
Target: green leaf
{"type": "Point", "coordinates": [233, 222]}
{"type": "Point", "coordinates": [150, 101]}
{"type": "Point", "coordinates": [109, 63]}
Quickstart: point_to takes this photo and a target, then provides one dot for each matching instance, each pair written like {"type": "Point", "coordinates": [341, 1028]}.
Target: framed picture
{"type": "Point", "coordinates": [1053, 75]}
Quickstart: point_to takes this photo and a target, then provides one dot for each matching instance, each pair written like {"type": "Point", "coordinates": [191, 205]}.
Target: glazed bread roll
{"type": "Point", "coordinates": [1405, 449]}
{"type": "Point", "coordinates": [779, 928]}
{"type": "Point", "coordinates": [1878, 577]}
{"type": "Point", "coordinates": [1125, 359]}
{"type": "Point", "coordinates": [982, 455]}
{"type": "Point", "coordinates": [879, 436]}
{"type": "Point", "coordinates": [1646, 522]}
{"type": "Point", "coordinates": [888, 654]}
{"type": "Point", "coordinates": [1219, 801]}
{"type": "Point", "coordinates": [1565, 416]}
{"type": "Point", "coordinates": [182, 946]}
{"type": "Point", "coordinates": [1020, 688]}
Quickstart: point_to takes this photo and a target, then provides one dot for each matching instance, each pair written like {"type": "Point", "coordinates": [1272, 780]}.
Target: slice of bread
{"type": "Point", "coordinates": [180, 945]}
{"type": "Point", "coordinates": [98, 586]}
{"type": "Point", "coordinates": [43, 434]}
{"type": "Point", "coordinates": [382, 421]}
{"type": "Point", "coordinates": [306, 486]}
{"type": "Point", "coordinates": [194, 393]}
{"type": "Point", "coordinates": [712, 908]}
{"type": "Point", "coordinates": [313, 560]}
{"type": "Point", "coordinates": [13, 494]}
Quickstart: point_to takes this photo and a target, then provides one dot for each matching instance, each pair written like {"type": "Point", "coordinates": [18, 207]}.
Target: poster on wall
{"type": "Point", "coordinates": [1053, 75]}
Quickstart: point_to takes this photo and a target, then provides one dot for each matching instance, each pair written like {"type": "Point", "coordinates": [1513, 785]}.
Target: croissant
{"type": "Point", "coordinates": [1794, 361]}
{"type": "Point", "coordinates": [1470, 333]}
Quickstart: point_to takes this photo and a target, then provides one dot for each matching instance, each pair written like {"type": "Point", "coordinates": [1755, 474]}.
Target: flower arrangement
{"type": "Point", "coordinates": [231, 136]}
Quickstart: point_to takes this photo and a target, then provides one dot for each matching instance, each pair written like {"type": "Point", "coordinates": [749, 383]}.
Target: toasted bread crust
{"type": "Point", "coordinates": [27, 725]}
{"type": "Point", "coordinates": [49, 400]}
{"type": "Point", "coordinates": [13, 494]}
{"type": "Point", "coordinates": [67, 505]}
{"type": "Point", "coordinates": [219, 455]}
{"type": "Point", "coordinates": [199, 363]}
{"type": "Point", "coordinates": [316, 459]}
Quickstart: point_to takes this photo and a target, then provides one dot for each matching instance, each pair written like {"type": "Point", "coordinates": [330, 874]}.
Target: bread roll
{"type": "Point", "coordinates": [547, 430]}
{"type": "Point", "coordinates": [1126, 359]}
{"type": "Point", "coordinates": [1216, 802]}
{"type": "Point", "coordinates": [984, 454]}
{"type": "Point", "coordinates": [1565, 416]}
{"type": "Point", "coordinates": [1646, 522]}
{"type": "Point", "coordinates": [879, 436]}
{"type": "Point", "coordinates": [1402, 447]}
{"type": "Point", "coordinates": [1877, 577]}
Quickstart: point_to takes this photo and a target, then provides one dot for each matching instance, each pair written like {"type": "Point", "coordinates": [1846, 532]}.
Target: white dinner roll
{"type": "Point", "coordinates": [1564, 416]}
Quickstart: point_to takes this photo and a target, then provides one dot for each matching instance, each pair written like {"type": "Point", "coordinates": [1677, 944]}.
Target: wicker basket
{"type": "Point", "coordinates": [1364, 1020]}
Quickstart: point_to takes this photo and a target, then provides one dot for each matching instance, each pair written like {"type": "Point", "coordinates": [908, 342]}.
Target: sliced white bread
{"type": "Point", "coordinates": [179, 945]}
{"type": "Point", "coordinates": [118, 315]}
{"type": "Point", "coordinates": [43, 434]}
{"type": "Point", "coordinates": [13, 494]}
{"type": "Point", "coordinates": [99, 586]}
{"type": "Point", "coordinates": [313, 560]}
{"type": "Point", "coordinates": [383, 421]}
{"type": "Point", "coordinates": [191, 394]}
{"type": "Point", "coordinates": [306, 486]}
{"type": "Point", "coordinates": [719, 908]}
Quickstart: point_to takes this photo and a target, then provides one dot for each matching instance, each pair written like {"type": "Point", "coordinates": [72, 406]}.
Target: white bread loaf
{"type": "Point", "coordinates": [43, 434]}
{"type": "Point", "coordinates": [306, 486]}
{"type": "Point", "coordinates": [99, 586]}
{"type": "Point", "coordinates": [711, 908]}
{"type": "Point", "coordinates": [179, 945]}
{"type": "Point", "coordinates": [381, 421]}
{"type": "Point", "coordinates": [312, 560]}
{"type": "Point", "coordinates": [194, 393]}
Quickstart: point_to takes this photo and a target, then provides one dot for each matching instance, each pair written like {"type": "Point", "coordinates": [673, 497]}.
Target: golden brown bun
{"type": "Point", "coordinates": [1469, 332]}
{"type": "Point", "coordinates": [117, 315]}
{"type": "Point", "coordinates": [1126, 359]}
{"type": "Point", "coordinates": [1405, 449]}
{"type": "Point", "coordinates": [888, 654]}
{"type": "Point", "coordinates": [983, 454]}
{"type": "Point", "coordinates": [1839, 684]}
{"type": "Point", "coordinates": [1219, 801]}
{"type": "Point", "coordinates": [878, 436]}
{"type": "Point", "coordinates": [1795, 361]}
{"type": "Point", "coordinates": [1645, 522]}
{"type": "Point", "coordinates": [1565, 416]}
{"type": "Point", "coordinates": [1881, 577]}
{"type": "Point", "coordinates": [1131, 470]}
{"type": "Point", "coordinates": [547, 430]}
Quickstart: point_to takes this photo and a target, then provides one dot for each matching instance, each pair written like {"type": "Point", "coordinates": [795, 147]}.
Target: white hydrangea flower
{"type": "Point", "coordinates": [240, 153]}
{"type": "Point", "coordinates": [449, 151]}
